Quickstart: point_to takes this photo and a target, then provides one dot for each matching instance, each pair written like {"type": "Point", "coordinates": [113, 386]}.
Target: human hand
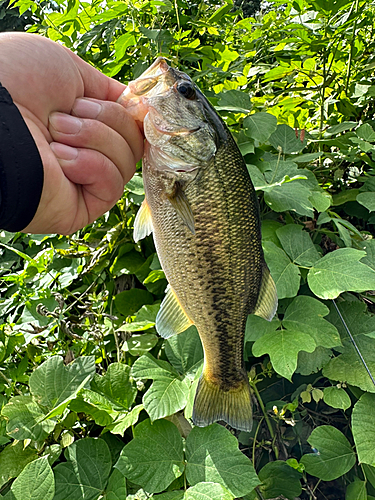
{"type": "Point", "coordinates": [89, 145]}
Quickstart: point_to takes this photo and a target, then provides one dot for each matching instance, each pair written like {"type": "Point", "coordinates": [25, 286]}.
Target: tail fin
{"type": "Point", "coordinates": [233, 406]}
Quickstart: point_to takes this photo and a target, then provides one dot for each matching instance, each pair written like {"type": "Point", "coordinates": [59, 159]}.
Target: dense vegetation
{"type": "Point", "coordinates": [94, 403]}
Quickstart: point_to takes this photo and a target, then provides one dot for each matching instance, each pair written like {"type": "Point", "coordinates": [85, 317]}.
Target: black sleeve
{"type": "Point", "coordinates": [21, 168]}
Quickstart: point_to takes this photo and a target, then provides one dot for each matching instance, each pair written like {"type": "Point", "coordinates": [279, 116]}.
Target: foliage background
{"type": "Point", "coordinates": [295, 84]}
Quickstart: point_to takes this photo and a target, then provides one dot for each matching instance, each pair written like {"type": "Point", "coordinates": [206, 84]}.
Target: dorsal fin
{"type": "Point", "coordinates": [143, 222]}
{"type": "Point", "coordinates": [171, 317]}
{"type": "Point", "coordinates": [266, 305]}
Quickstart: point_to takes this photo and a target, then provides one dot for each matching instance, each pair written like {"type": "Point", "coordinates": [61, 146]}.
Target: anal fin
{"type": "Point", "coordinates": [143, 222]}
{"type": "Point", "coordinates": [266, 305]}
{"type": "Point", "coordinates": [171, 317]}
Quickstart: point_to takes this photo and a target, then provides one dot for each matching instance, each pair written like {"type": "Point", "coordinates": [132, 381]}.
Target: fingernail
{"type": "Point", "coordinates": [66, 124]}
{"type": "Point", "coordinates": [86, 108]}
{"type": "Point", "coordinates": [64, 152]}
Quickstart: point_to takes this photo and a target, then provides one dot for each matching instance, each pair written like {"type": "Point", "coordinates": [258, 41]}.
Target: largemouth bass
{"type": "Point", "coordinates": [201, 206]}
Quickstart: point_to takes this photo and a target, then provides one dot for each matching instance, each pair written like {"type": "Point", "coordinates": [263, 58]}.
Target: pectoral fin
{"type": "Point", "coordinates": [143, 222]}
{"type": "Point", "coordinates": [171, 317]}
{"type": "Point", "coordinates": [182, 206]}
{"type": "Point", "coordinates": [267, 300]}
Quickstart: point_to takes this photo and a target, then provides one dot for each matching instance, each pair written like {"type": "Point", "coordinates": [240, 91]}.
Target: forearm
{"type": "Point", "coordinates": [21, 168]}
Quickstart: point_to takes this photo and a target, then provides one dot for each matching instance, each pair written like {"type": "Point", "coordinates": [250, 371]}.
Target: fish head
{"type": "Point", "coordinates": [182, 129]}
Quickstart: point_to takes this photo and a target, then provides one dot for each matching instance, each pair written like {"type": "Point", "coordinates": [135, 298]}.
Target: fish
{"type": "Point", "coordinates": [202, 209]}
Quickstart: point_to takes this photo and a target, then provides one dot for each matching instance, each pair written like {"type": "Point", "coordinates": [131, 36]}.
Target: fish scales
{"type": "Point", "coordinates": [216, 268]}
{"type": "Point", "coordinates": [215, 272]}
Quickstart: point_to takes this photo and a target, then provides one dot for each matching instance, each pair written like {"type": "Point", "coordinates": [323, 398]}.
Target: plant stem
{"type": "Point", "coordinates": [10, 383]}
{"type": "Point", "coordinates": [268, 422]}
{"type": "Point", "coordinates": [177, 15]}
{"type": "Point", "coordinates": [255, 440]}
{"type": "Point", "coordinates": [349, 67]}
{"type": "Point", "coordinates": [315, 487]}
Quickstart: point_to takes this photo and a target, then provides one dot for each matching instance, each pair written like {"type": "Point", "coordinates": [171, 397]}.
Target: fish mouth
{"type": "Point", "coordinates": [157, 79]}
{"type": "Point", "coordinates": [145, 82]}
{"type": "Point", "coordinates": [157, 68]}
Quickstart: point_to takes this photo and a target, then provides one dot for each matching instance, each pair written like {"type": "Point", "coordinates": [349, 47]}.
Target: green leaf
{"type": "Point", "coordinates": [334, 456]}
{"type": "Point", "coordinates": [269, 228]}
{"type": "Point", "coordinates": [366, 132]}
{"type": "Point", "coordinates": [369, 247]}
{"type": "Point", "coordinates": [294, 195]}
{"type": "Point", "coordinates": [137, 345]}
{"type": "Point", "coordinates": [148, 313]}
{"type": "Point", "coordinates": [53, 384]}
{"type": "Point", "coordinates": [85, 473]}
{"type": "Point", "coordinates": [129, 263]}
{"type": "Point", "coordinates": [219, 13]}
{"type": "Point", "coordinates": [306, 314]}
{"type": "Point", "coordinates": [148, 367]}
{"type": "Point", "coordinates": [166, 397]}
{"type": "Point", "coordinates": [320, 199]}
{"type": "Point", "coordinates": [312, 362]}
{"type": "Point", "coordinates": [349, 368]}
{"type": "Point", "coordinates": [13, 459]}
{"type": "Point", "coordinates": [344, 197]}
{"type": "Point", "coordinates": [285, 274]}
{"type": "Point", "coordinates": [154, 458]}
{"type": "Point", "coordinates": [337, 397]}
{"type": "Point", "coordinates": [212, 455]}
{"type": "Point", "coordinates": [341, 127]}
{"type": "Point", "coordinates": [35, 482]}
{"type": "Point", "coordinates": [356, 490]}
{"type": "Point", "coordinates": [135, 185]}
{"type": "Point", "coordinates": [278, 72]}
{"type": "Point", "coordinates": [363, 145]}
{"type": "Point", "coordinates": [168, 393]}
{"type": "Point", "coordinates": [257, 178]}
{"type": "Point", "coordinates": [184, 350]}
{"type": "Point", "coordinates": [278, 479]}
{"type": "Point", "coordinates": [260, 126]}
{"type": "Point", "coordinates": [367, 200]}
{"type": "Point", "coordinates": [136, 326]}
{"type": "Point", "coordinates": [363, 428]}
{"type": "Point", "coordinates": [123, 422]}
{"type": "Point", "coordinates": [369, 473]}
{"type": "Point", "coordinates": [130, 301]}
{"type": "Point", "coordinates": [283, 347]}
{"type": "Point", "coordinates": [192, 391]}
{"type": "Point", "coordinates": [306, 158]}
{"type": "Point", "coordinates": [285, 138]}
{"type": "Point", "coordinates": [256, 327]}
{"type": "Point", "coordinates": [340, 271]}
{"type": "Point", "coordinates": [95, 405]}
{"type": "Point", "coordinates": [356, 318]}
{"type": "Point", "coordinates": [208, 491]}
{"type": "Point", "coordinates": [234, 100]}
{"type": "Point", "coordinates": [122, 43]}
{"type": "Point", "coordinates": [298, 245]}
{"type": "Point", "coordinates": [116, 386]}
{"type": "Point", "coordinates": [170, 495]}
{"type": "Point", "coordinates": [245, 144]}
{"type": "Point", "coordinates": [26, 420]}
{"type": "Point", "coordinates": [116, 487]}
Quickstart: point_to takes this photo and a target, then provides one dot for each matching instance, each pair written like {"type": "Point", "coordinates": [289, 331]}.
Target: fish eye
{"type": "Point", "coordinates": [186, 89]}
